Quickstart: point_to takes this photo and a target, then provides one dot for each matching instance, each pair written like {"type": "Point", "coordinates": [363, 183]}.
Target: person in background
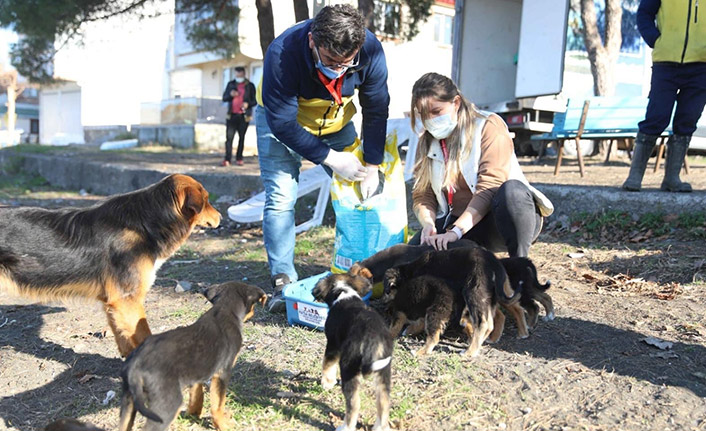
{"type": "Point", "coordinates": [240, 96]}
{"type": "Point", "coordinates": [310, 75]}
{"type": "Point", "coordinates": [678, 35]}
{"type": "Point", "coordinates": [468, 182]}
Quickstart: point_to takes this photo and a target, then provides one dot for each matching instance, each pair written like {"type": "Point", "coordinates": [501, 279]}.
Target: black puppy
{"type": "Point", "coordinates": [523, 276]}
{"type": "Point", "coordinates": [425, 301]}
{"type": "Point", "coordinates": [155, 373]}
{"type": "Point", "coordinates": [357, 341]}
{"type": "Point", "coordinates": [483, 285]}
{"type": "Point", "coordinates": [399, 254]}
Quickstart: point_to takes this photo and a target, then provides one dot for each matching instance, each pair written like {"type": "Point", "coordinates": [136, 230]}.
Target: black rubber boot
{"type": "Point", "coordinates": [644, 144]}
{"type": "Point", "coordinates": [676, 151]}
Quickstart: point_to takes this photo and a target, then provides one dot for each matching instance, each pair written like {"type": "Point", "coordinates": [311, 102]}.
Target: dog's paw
{"type": "Point", "coordinates": [224, 423]}
{"type": "Point", "coordinates": [471, 353]}
{"type": "Point", "coordinates": [522, 336]}
{"type": "Point", "coordinates": [549, 317]}
{"type": "Point", "coordinates": [378, 427]}
{"type": "Point", "coordinates": [328, 384]}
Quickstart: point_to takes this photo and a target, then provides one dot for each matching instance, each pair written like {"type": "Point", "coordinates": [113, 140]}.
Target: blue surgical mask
{"type": "Point", "coordinates": [328, 72]}
{"type": "Point", "coordinates": [441, 127]}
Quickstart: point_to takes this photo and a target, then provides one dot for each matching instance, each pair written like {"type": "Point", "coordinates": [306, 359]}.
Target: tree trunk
{"type": "Point", "coordinates": [367, 9]}
{"type": "Point", "coordinates": [301, 10]}
{"type": "Point", "coordinates": [602, 56]}
{"type": "Point", "coordinates": [266, 21]}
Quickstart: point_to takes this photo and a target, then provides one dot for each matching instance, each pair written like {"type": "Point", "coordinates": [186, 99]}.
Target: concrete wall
{"type": "Point", "coordinates": [100, 134]}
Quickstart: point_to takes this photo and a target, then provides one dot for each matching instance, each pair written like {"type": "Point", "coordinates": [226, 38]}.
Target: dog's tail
{"type": "Point", "coordinates": [136, 387]}
{"type": "Point", "coordinates": [503, 288]}
{"type": "Point", "coordinates": [533, 271]}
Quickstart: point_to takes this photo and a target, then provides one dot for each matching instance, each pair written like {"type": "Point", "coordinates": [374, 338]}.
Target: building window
{"type": "Point", "coordinates": [33, 126]}
{"type": "Point", "coordinates": [443, 28]}
{"type": "Point", "coordinates": [387, 19]}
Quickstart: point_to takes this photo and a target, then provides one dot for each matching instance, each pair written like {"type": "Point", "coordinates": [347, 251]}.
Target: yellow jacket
{"type": "Point", "coordinates": [679, 34]}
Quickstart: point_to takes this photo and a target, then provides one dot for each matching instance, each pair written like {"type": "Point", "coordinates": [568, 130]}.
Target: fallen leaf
{"type": "Point", "coordinates": [286, 394]}
{"type": "Point", "coordinates": [670, 218]}
{"type": "Point", "coordinates": [87, 378]}
{"type": "Point", "coordinates": [589, 277]}
{"type": "Point", "coordinates": [660, 344]}
{"type": "Point", "coordinates": [576, 255]}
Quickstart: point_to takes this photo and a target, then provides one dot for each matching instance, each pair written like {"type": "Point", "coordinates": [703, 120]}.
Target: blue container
{"type": "Point", "coordinates": [301, 307]}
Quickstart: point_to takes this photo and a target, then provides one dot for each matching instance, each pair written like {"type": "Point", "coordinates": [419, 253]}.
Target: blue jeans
{"type": "Point", "coordinates": [279, 171]}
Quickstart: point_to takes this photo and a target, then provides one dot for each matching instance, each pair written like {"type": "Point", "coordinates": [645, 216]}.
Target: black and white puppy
{"type": "Point", "coordinates": [358, 341]}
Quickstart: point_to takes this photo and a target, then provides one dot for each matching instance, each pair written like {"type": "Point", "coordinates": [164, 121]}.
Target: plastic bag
{"type": "Point", "coordinates": [365, 227]}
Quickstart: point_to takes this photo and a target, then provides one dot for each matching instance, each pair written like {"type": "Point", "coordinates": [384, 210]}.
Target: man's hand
{"type": "Point", "coordinates": [346, 165]}
{"type": "Point", "coordinates": [370, 183]}
{"type": "Point", "coordinates": [233, 93]}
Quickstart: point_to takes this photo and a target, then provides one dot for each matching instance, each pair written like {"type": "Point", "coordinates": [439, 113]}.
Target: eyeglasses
{"type": "Point", "coordinates": [353, 63]}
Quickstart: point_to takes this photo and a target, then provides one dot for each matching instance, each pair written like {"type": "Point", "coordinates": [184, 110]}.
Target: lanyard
{"type": "Point", "coordinates": [449, 190]}
{"type": "Point", "coordinates": [333, 86]}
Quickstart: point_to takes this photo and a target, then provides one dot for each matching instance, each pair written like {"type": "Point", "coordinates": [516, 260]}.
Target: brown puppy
{"type": "Point", "coordinates": [108, 252]}
{"type": "Point", "coordinates": [357, 343]}
{"type": "Point", "coordinates": [483, 285]}
{"type": "Point", "coordinates": [426, 302]}
{"type": "Point", "coordinates": [68, 424]}
{"type": "Point", "coordinates": [155, 373]}
{"type": "Point", "coordinates": [523, 277]}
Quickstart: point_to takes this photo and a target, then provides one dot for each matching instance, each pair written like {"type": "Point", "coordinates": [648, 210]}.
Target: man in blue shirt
{"type": "Point", "coordinates": [311, 72]}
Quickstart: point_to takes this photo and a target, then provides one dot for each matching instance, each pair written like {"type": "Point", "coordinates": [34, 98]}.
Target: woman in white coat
{"type": "Point", "coordinates": [468, 183]}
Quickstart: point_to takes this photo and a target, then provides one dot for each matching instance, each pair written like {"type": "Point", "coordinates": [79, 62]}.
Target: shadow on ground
{"type": "Point", "coordinates": [603, 347]}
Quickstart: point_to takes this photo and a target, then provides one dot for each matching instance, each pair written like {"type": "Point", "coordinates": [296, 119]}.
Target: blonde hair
{"type": "Point", "coordinates": [439, 87]}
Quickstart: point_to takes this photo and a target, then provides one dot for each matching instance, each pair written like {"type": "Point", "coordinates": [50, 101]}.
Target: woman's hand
{"type": "Point", "coordinates": [428, 231]}
{"type": "Point", "coordinates": [442, 241]}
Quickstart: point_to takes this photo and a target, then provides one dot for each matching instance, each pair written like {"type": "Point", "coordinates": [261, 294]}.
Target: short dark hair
{"type": "Point", "coordinates": [240, 69]}
{"type": "Point", "coordinates": [340, 29]}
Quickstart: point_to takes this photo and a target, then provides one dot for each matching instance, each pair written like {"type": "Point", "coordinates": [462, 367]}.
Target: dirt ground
{"type": "Point", "coordinates": [615, 282]}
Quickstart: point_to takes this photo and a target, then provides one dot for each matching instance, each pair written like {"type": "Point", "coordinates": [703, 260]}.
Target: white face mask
{"type": "Point", "coordinates": [441, 127]}
{"type": "Point", "coordinates": [239, 79]}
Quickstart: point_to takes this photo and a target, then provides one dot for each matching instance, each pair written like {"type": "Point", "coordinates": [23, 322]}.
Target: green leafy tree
{"type": "Point", "coordinates": [46, 26]}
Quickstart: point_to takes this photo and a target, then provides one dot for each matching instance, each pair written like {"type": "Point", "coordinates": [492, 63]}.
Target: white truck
{"type": "Point", "coordinates": [508, 58]}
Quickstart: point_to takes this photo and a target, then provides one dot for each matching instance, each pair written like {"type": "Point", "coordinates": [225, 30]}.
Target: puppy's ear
{"type": "Point", "coordinates": [193, 201]}
{"type": "Point", "coordinates": [391, 279]}
{"type": "Point", "coordinates": [252, 295]}
{"type": "Point", "coordinates": [321, 289]}
{"type": "Point", "coordinates": [212, 293]}
{"type": "Point", "coordinates": [365, 272]}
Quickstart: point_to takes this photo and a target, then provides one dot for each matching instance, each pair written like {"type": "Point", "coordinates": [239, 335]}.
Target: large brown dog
{"type": "Point", "coordinates": [109, 252]}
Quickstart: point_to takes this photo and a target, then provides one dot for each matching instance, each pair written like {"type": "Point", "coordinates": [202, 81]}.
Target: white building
{"type": "Point", "coordinates": [194, 74]}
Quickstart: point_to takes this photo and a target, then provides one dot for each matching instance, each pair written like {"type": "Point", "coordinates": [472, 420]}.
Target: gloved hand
{"type": "Point", "coordinates": [370, 183]}
{"type": "Point", "coordinates": [346, 165]}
